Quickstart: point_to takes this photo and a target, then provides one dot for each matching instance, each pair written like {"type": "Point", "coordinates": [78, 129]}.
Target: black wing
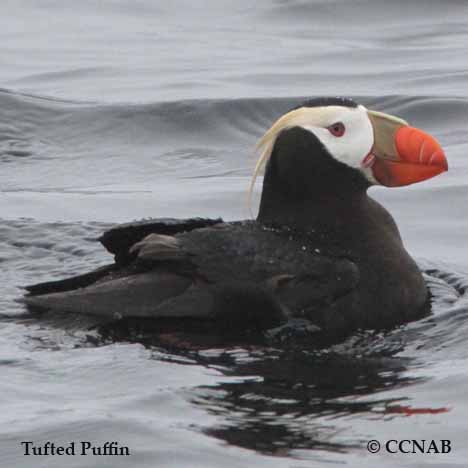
{"type": "Point", "coordinates": [119, 241]}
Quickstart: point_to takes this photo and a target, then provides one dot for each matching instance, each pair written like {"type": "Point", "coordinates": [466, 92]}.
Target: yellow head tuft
{"type": "Point", "coordinates": [299, 117]}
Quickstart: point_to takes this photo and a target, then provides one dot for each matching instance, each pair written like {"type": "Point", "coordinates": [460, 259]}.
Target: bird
{"type": "Point", "coordinates": [320, 250]}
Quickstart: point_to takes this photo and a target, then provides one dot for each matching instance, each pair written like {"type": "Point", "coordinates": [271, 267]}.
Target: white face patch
{"type": "Point", "coordinates": [355, 144]}
{"type": "Point", "coordinates": [351, 148]}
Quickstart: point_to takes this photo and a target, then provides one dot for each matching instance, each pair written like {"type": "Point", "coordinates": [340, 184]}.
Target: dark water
{"type": "Point", "coordinates": [118, 110]}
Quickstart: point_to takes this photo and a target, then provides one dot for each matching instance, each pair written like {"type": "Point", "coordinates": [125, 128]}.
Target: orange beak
{"type": "Point", "coordinates": [403, 155]}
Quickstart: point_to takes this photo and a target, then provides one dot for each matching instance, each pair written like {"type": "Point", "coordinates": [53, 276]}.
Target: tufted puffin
{"type": "Point", "coordinates": [320, 249]}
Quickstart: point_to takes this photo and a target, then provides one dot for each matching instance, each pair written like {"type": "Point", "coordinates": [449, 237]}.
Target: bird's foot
{"type": "Point", "coordinates": [293, 330]}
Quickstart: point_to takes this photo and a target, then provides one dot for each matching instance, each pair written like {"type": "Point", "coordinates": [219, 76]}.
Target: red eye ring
{"type": "Point", "coordinates": [337, 129]}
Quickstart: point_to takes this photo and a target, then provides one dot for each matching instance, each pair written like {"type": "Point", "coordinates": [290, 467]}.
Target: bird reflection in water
{"type": "Point", "coordinates": [275, 401]}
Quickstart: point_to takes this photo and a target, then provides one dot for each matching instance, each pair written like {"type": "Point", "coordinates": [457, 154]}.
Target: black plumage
{"type": "Point", "coordinates": [320, 249]}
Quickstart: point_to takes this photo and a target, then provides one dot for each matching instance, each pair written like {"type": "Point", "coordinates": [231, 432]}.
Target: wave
{"type": "Point", "coordinates": [26, 117]}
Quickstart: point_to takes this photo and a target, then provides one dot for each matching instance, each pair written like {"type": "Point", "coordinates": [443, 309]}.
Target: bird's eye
{"type": "Point", "coordinates": [337, 129]}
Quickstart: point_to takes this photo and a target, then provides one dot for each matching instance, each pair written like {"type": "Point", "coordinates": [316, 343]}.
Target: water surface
{"type": "Point", "coordinates": [117, 110]}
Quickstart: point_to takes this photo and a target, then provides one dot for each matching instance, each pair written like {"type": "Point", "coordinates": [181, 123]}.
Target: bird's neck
{"type": "Point", "coordinates": [326, 213]}
{"type": "Point", "coordinates": [321, 207]}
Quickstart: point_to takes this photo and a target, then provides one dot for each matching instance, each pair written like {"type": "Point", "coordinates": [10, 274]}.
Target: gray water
{"type": "Point", "coordinates": [117, 110]}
